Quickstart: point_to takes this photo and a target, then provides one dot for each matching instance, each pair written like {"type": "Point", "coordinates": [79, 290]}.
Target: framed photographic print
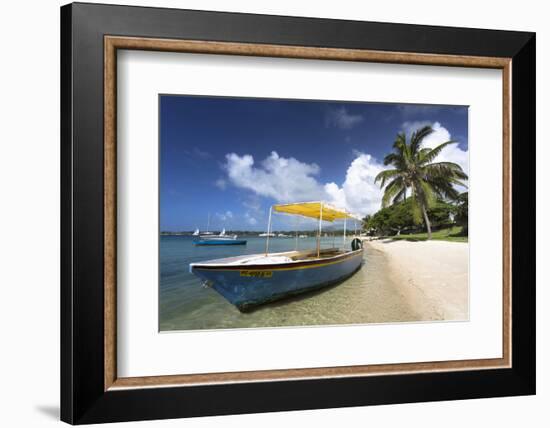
{"type": "Point", "coordinates": [264, 213]}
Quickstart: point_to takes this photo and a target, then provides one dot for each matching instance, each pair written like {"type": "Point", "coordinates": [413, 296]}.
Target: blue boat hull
{"type": "Point", "coordinates": [247, 286]}
{"type": "Point", "coordinates": [220, 242]}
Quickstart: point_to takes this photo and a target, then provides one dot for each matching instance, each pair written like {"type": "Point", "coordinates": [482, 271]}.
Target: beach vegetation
{"type": "Point", "coordinates": [453, 234]}
{"type": "Point", "coordinates": [398, 218]}
{"type": "Point", "coordinates": [461, 213]}
{"type": "Point", "coordinates": [416, 176]}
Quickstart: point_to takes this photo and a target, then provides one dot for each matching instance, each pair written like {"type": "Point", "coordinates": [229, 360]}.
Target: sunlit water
{"type": "Point", "coordinates": [368, 296]}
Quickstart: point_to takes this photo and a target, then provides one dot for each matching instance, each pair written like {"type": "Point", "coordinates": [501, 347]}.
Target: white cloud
{"type": "Point", "coordinates": [220, 183]}
{"type": "Point", "coordinates": [340, 118]}
{"type": "Point", "coordinates": [228, 215]}
{"type": "Point", "coordinates": [359, 194]}
{"type": "Point", "coordinates": [451, 153]}
{"type": "Point", "coordinates": [289, 180]}
{"type": "Point", "coordinates": [283, 179]}
{"type": "Point", "coordinates": [250, 219]}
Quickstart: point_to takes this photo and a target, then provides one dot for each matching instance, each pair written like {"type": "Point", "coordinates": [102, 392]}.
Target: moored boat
{"type": "Point", "coordinates": [221, 239]}
{"type": "Point", "coordinates": [250, 280]}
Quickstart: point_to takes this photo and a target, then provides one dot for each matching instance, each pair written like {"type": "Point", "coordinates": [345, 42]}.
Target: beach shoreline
{"type": "Point", "coordinates": [400, 282]}
{"type": "Point", "coordinates": [431, 275]}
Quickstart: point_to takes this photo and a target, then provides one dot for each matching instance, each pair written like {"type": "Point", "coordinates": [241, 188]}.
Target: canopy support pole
{"type": "Point", "coordinates": [268, 232]}
{"type": "Point", "coordinates": [320, 227]}
{"type": "Point", "coordinates": [297, 224]}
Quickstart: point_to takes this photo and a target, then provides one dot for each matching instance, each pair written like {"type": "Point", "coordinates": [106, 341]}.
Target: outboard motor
{"type": "Point", "coordinates": [356, 244]}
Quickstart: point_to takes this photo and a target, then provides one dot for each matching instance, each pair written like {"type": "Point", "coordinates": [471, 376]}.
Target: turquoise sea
{"type": "Point", "coordinates": [368, 296]}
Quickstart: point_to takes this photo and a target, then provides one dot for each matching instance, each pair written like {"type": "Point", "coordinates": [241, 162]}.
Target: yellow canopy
{"type": "Point", "coordinates": [318, 210]}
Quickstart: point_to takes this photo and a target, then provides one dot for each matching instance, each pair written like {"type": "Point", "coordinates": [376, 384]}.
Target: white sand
{"type": "Point", "coordinates": [432, 275]}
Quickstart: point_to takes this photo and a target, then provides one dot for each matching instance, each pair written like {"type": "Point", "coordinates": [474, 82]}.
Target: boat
{"type": "Point", "coordinates": [221, 239]}
{"type": "Point", "coordinates": [209, 238]}
{"type": "Point", "coordinates": [247, 281]}
{"type": "Point", "coordinates": [207, 233]}
{"type": "Point", "coordinates": [264, 235]}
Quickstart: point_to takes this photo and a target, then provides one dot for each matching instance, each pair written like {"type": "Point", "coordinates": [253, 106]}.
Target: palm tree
{"type": "Point", "coordinates": [414, 170]}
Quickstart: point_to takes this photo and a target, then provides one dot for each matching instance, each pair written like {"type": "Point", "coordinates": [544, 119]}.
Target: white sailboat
{"type": "Point", "coordinates": [209, 238]}
{"type": "Point", "coordinates": [207, 233]}
{"type": "Point", "coordinates": [222, 236]}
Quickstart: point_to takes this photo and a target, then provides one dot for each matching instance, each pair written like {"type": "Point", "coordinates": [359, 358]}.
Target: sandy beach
{"type": "Point", "coordinates": [431, 275]}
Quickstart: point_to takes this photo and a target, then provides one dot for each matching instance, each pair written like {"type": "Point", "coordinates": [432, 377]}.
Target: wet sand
{"type": "Point", "coordinates": [432, 275]}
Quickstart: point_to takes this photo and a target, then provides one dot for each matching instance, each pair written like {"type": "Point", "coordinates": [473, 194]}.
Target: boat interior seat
{"type": "Point", "coordinates": [266, 260]}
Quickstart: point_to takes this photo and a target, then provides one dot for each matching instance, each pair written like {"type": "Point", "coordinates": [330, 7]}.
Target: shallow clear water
{"type": "Point", "coordinates": [368, 296]}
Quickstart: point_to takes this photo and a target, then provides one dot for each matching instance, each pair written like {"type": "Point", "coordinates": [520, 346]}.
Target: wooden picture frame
{"type": "Point", "coordinates": [91, 390]}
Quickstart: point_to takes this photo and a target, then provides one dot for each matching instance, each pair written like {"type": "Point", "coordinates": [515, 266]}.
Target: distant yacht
{"type": "Point", "coordinates": [207, 233]}
{"type": "Point", "coordinates": [265, 234]}
{"type": "Point", "coordinates": [209, 238]}
{"type": "Point", "coordinates": [223, 235]}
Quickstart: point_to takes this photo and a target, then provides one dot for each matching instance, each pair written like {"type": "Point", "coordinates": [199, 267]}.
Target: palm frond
{"type": "Point", "coordinates": [428, 157]}
{"type": "Point", "coordinates": [398, 157]}
{"type": "Point", "coordinates": [444, 190]}
{"type": "Point", "coordinates": [393, 188]}
{"type": "Point", "coordinates": [400, 142]}
{"type": "Point", "coordinates": [385, 175]}
{"type": "Point", "coordinates": [445, 170]}
{"type": "Point", "coordinates": [400, 197]}
{"type": "Point", "coordinates": [457, 182]}
{"type": "Point", "coordinates": [393, 159]}
{"type": "Point", "coordinates": [418, 136]}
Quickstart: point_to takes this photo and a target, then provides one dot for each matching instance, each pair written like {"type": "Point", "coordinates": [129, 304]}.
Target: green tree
{"type": "Point", "coordinates": [414, 170]}
{"type": "Point", "coordinates": [393, 219]}
{"type": "Point", "coordinates": [400, 217]}
{"type": "Point", "coordinates": [365, 222]}
{"type": "Point", "coordinates": [440, 213]}
{"type": "Point", "coordinates": [461, 215]}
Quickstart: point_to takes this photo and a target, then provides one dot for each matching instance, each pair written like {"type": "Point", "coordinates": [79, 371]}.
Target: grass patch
{"type": "Point", "coordinates": [451, 234]}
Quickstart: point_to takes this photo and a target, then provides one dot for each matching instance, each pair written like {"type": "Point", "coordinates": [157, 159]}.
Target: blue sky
{"type": "Point", "coordinates": [234, 157]}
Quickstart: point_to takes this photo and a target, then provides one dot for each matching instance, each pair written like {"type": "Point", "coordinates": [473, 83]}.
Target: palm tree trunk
{"type": "Point", "coordinates": [427, 221]}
